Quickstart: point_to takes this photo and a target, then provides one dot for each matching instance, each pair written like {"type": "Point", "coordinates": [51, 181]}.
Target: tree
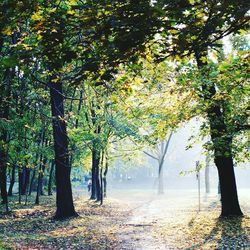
{"type": "Point", "coordinates": [197, 27]}
{"type": "Point", "coordinates": [161, 152]}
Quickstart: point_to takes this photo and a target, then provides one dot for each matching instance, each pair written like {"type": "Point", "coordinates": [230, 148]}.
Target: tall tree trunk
{"type": "Point", "coordinates": [25, 176]}
{"type": "Point", "coordinates": [93, 177]}
{"type": "Point", "coordinates": [22, 179]}
{"type": "Point", "coordinates": [12, 180]}
{"type": "Point", "coordinates": [218, 188]}
{"type": "Point", "coordinates": [101, 178]}
{"type": "Point", "coordinates": [27, 187]}
{"type": "Point", "coordinates": [51, 177]}
{"type": "Point", "coordinates": [5, 92]}
{"type": "Point", "coordinates": [3, 178]}
{"type": "Point", "coordinates": [105, 177]}
{"type": "Point", "coordinates": [160, 178]}
{"type": "Point", "coordinates": [101, 186]}
{"type": "Point", "coordinates": [98, 183]}
{"type": "Point", "coordinates": [19, 184]}
{"type": "Point", "coordinates": [32, 181]}
{"type": "Point", "coordinates": [41, 192]}
{"type": "Point", "coordinates": [164, 149]}
{"type": "Point", "coordinates": [95, 188]}
{"type": "Point", "coordinates": [38, 189]}
{"type": "Point", "coordinates": [222, 144]}
{"type": "Point", "coordinates": [64, 198]}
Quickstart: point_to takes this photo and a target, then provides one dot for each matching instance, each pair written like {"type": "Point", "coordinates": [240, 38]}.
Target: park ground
{"type": "Point", "coordinates": [129, 219]}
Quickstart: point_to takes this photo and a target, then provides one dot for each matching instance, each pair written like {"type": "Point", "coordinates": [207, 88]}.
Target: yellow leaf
{"type": "Point", "coordinates": [55, 80]}
{"type": "Point", "coordinates": [7, 31]}
{"type": "Point", "coordinates": [36, 16]}
{"type": "Point", "coordinates": [70, 12]}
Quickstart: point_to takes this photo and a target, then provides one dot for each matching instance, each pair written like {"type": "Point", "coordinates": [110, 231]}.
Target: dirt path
{"type": "Point", "coordinates": [139, 232]}
{"type": "Point", "coordinates": [150, 214]}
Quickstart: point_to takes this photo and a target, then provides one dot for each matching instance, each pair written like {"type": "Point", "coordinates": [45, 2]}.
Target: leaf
{"type": "Point", "coordinates": [36, 16]}
{"type": "Point", "coordinates": [7, 31]}
{"type": "Point", "coordinates": [10, 61]}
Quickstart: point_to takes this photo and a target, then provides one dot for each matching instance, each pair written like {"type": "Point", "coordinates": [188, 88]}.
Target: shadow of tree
{"type": "Point", "coordinates": [233, 233]}
{"type": "Point", "coordinates": [228, 233]}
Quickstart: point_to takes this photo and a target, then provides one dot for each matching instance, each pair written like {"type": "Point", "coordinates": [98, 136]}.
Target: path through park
{"type": "Point", "coordinates": [170, 221]}
{"type": "Point", "coordinates": [130, 219]}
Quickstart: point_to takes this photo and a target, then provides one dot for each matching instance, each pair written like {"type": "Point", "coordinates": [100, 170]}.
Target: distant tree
{"type": "Point", "coordinates": [160, 154]}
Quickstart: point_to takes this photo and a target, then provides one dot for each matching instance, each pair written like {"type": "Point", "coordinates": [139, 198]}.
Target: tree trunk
{"type": "Point", "coordinates": [32, 181]}
{"type": "Point", "coordinates": [218, 188]}
{"type": "Point", "coordinates": [27, 186]}
{"type": "Point", "coordinates": [51, 177]}
{"type": "Point", "coordinates": [98, 184]}
{"type": "Point", "coordinates": [101, 187]}
{"type": "Point", "coordinates": [22, 180]}
{"type": "Point", "coordinates": [25, 176]}
{"type": "Point", "coordinates": [93, 177]}
{"type": "Point", "coordinates": [19, 184]}
{"type": "Point", "coordinates": [105, 177]}
{"type": "Point", "coordinates": [160, 178]}
{"type": "Point", "coordinates": [12, 180]}
{"type": "Point", "coordinates": [5, 93]}
{"type": "Point", "coordinates": [164, 149]}
{"type": "Point", "coordinates": [64, 198]}
{"type": "Point", "coordinates": [101, 178]}
{"type": "Point", "coordinates": [95, 188]}
{"type": "Point", "coordinates": [42, 180]}
{"type": "Point", "coordinates": [222, 144]}
{"type": "Point", "coordinates": [3, 178]}
{"type": "Point", "coordinates": [229, 197]}
{"type": "Point", "coordinates": [38, 189]}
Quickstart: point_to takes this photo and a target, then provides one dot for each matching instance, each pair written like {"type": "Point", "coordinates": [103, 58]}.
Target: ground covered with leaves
{"type": "Point", "coordinates": [172, 221]}
{"type": "Point", "coordinates": [32, 227]}
{"type": "Point", "coordinates": [130, 220]}
{"type": "Point", "coordinates": [204, 230]}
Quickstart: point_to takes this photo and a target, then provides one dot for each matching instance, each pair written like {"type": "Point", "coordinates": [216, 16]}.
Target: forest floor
{"type": "Point", "coordinates": [131, 219]}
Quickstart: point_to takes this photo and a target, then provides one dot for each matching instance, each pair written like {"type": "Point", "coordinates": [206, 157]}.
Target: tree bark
{"type": "Point", "coordinates": [161, 162]}
{"type": "Point", "coordinates": [32, 181]}
{"type": "Point", "coordinates": [27, 186]}
{"type": "Point", "coordinates": [95, 188]}
{"type": "Point", "coordinates": [51, 177]}
{"type": "Point", "coordinates": [41, 192]}
{"type": "Point", "coordinates": [39, 179]}
{"type": "Point", "coordinates": [25, 176]}
{"type": "Point", "coordinates": [160, 178]}
{"type": "Point", "coordinates": [3, 178]}
{"type": "Point", "coordinates": [93, 177]}
{"type": "Point", "coordinates": [5, 93]}
{"type": "Point", "coordinates": [101, 186]}
{"type": "Point", "coordinates": [105, 177]}
{"type": "Point", "coordinates": [98, 183]}
{"type": "Point", "coordinates": [222, 144]}
{"type": "Point", "coordinates": [19, 184]}
{"type": "Point", "coordinates": [64, 198]}
{"type": "Point", "coordinates": [12, 180]}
